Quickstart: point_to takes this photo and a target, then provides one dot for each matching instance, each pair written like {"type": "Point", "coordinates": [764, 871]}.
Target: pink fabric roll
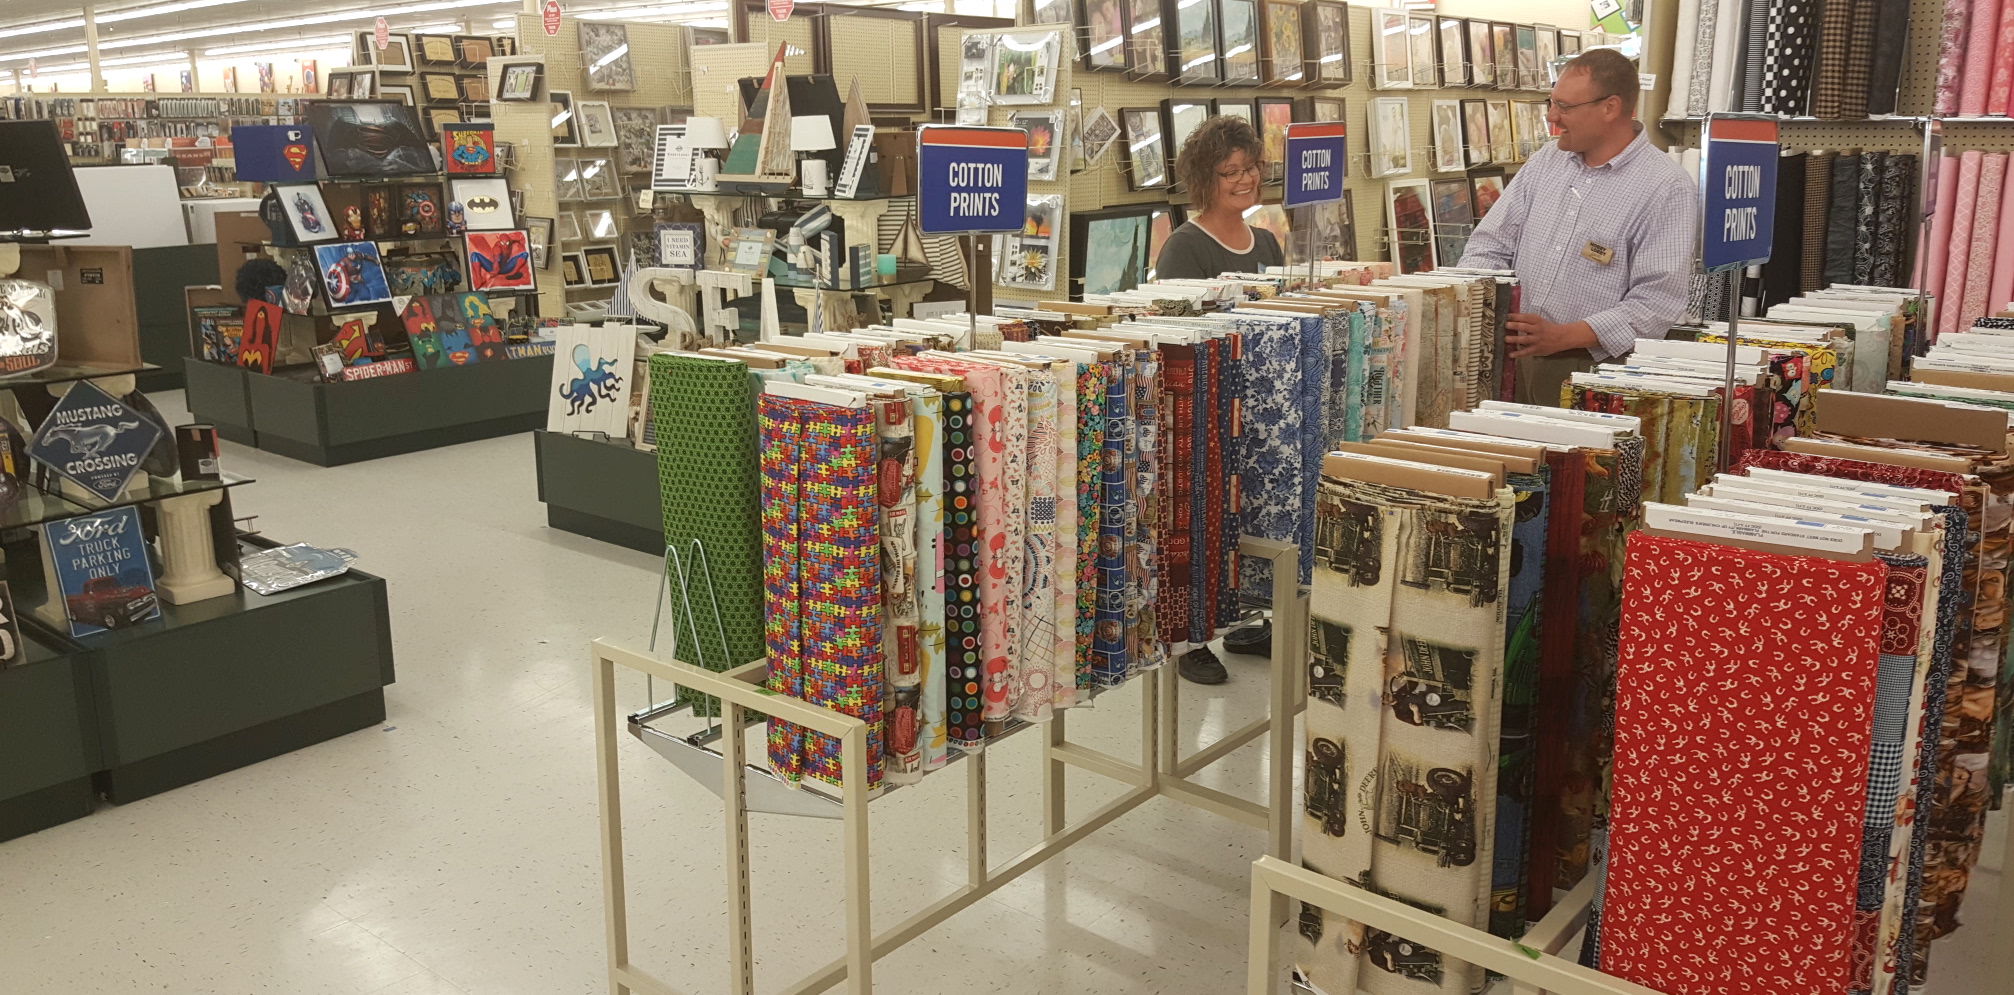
{"type": "Point", "coordinates": [1997, 93]}
{"type": "Point", "coordinates": [1985, 227]}
{"type": "Point", "coordinates": [2001, 288]}
{"type": "Point", "coordinates": [1951, 54]}
{"type": "Point", "coordinates": [1930, 261]}
{"type": "Point", "coordinates": [1953, 279]}
{"type": "Point", "coordinates": [1983, 32]}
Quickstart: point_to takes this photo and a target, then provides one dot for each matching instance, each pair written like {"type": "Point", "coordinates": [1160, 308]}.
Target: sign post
{"type": "Point", "coordinates": [1317, 162]}
{"type": "Point", "coordinates": [1737, 181]}
{"type": "Point", "coordinates": [971, 181]}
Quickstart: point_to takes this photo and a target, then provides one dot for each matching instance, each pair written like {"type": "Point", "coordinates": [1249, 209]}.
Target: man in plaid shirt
{"type": "Point", "coordinates": [1601, 228]}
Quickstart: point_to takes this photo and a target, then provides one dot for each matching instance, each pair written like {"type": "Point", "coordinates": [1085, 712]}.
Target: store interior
{"type": "Point", "coordinates": [552, 496]}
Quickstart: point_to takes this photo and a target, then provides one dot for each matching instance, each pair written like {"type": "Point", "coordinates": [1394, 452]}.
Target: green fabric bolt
{"type": "Point", "coordinates": [708, 477]}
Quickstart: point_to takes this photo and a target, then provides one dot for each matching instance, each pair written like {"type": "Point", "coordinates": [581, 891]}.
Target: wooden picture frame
{"type": "Point", "coordinates": [604, 266]}
{"type": "Point", "coordinates": [1486, 188]}
{"type": "Point", "coordinates": [1528, 70]}
{"type": "Point", "coordinates": [1548, 51]}
{"type": "Point", "coordinates": [1275, 113]}
{"type": "Point", "coordinates": [1452, 40]}
{"type": "Point", "coordinates": [1325, 43]}
{"type": "Point", "coordinates": [1391, 54]}
{"type": "Point", "coordinates": [1503, 40]}
{"type": "Point", "coordinates": [1390, 135]}
{"type": "Point", "coordinates": [1238, 107]}
{"type": "Point", "coordinates": [1423, 50]}
{"type": "Point", "coordinates": [1482, 54]}
{"type": "Point", "coordinates": [1444, 126]}
{"type": "Point", "coordinates": [1409, 222]}
{"type": "Point", "coordinates": [1476, 132]}
{"type": "Point", "coordinates": [1197, 47]}
{"type": "Point", "coordinates": [440, 88]}
{"type": "Point", "coordinates": [1107, 34]}
{"type": "Point", "coordinates": [1147, 38]}
{"type": "Point", "coordinates": [434, 50]}
{"type": "Point", "coordinates": [1283, 33]}
{"type": "Point", "coordinates": [1180, 117]}
{"type": "Point", "coordinates": [1452, 206]}
{"type": "Point", "coordinates": [1569, 42]}
{"type": "Point", "coordinates": [1238, 42]}
{"type": "Point", "coordinates": [395, 57]}
{"type": "Point", "coordinates": [518, 81]}
{"type": "Point", "coordinates": [573, 270]}
{"type": "Point", "coordinates": [473, 51]}
{"type": "Point", "coordinates": [565, 130]}
{"type": "Point", "coordinates": [1145, 148]}
{"type": "Point", "coordinates": [475, 89]}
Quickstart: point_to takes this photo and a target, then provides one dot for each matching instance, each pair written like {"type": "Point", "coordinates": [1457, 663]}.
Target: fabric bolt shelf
{"type": "Point", "coordinates": [1726, 646]}
{"type": "Point", "coordinates": [705, 415]}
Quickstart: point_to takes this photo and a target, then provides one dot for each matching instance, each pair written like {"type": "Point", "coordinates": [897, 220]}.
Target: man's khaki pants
{"type": "Point", "coordinates": [1539, 377]}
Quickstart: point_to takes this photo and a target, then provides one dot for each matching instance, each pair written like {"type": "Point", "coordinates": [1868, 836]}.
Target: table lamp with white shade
{"type": "Point", "coordinates": [706, 135]}
{"type": "Point", "coordinates": [813, 133]}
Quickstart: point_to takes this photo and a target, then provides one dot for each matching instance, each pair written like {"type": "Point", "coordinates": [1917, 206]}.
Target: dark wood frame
{"type": "Point", "coordinates": [1469, 146]}
{"type": "Point", "coordinates": [1080, 237]}
{"type": "Point", "coordinates": [1126, 136]}
{"type": "Point", "coordinates": [1125, 46]}
{"type": "Point", "coordinates": [1506, 54]}
{"type": "Point", "coordinates": [420, 46]}
{"type": "Point", "coordinates": [1168, 129]}
{"type": "Point", "coordinates": [1151, 63]}
{"type": "Point", "coordinates": [1313, 44]}
{"type": "Point", "coordinates": [1173, 18]}
{"type": "Point", "coordinates": [1476, 76]}
{"type": "Point", "coordinates": [1449, 76]}
{"type": "Point", "coordinates": [1270, 70]}
{"type": "Point", "coordinates": [1276, 172]}
{"type": "Point", "coordinates": [1258, 77]}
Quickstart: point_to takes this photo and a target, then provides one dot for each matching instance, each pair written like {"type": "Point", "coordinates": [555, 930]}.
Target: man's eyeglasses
{"type": "Point", "coordinates": [1237, 173]}
{"type": "Point", "coordinates": [1561, 108]}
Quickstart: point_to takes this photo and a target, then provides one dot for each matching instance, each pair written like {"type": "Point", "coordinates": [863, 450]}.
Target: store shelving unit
{"type": "Point", "coordinates": [603, 489]}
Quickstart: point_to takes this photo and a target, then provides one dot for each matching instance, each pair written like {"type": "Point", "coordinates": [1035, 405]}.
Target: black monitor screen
{"type": "Point", "coordinates": [370, 138]}
{"type": "Point", "coordinates": [38, 191]}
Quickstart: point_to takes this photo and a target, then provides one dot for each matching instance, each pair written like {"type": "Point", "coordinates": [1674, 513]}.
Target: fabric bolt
{"type": "Point", "coordinates": [1758, 42]}
{"type": "Point", "coordinates": [1181, 521]}
{"type": "Point", "coordinates": [927, 408]}
{"type": "Point", "coordinates": [1566, 474]}
{"type": "Point", "coordinates": [1790, 48]}
{"type": "Point", "coordinates": [1276, 475]}
{"type": "Point", "coordinates": [1700, 92]}
{"type": "Point", "coordinates": [964, 645]}
{"type": "Point", "coordinates": [821, 578]}
{"type": "Point", "coordinates": [1142, 631]}
{"type": "Point", "coordinates": [1705, 840]}
{"type": "Point", "coordinates": [1093, 385]}
{"type": "Point", "coordinates": [1895, 686]}
{"type": "Point", "coordinates": [1931, 258]}
{"type": "Point", "coordinates": [1955, 31]}
{"type": "Point", "coordinates": [1982, 30]}
{"type": "Point", "coordinates": [1685, 45]}
{"type": "Point", "coordinates": [1063, 646]}
{"type": "Point", "coordinates": [2000, 287]}
{"type": "Point", "coordinates": [1214, 610]}
{"type": "Point", "coordinates": [1997, 89]}
{"type": "Point", "coordinates": [1893, 220]}
{"type": "Point", "coordinates": [1985, 220]}
{"type": "Point", "coordinates": [1951, 299]}
{"type": "Point", "coordinates": [1842, 221]}
{"type": "Point", "coordinates": [1810, 255]}
{"type": "Point", "coordinates": [1783, 274]}
{"type": "Point", "coordinates": [1867, 209]}
{"type": "Point", "coordinates": [1407, 623]}
{"type": "Point", "coordinates": [1891, 34]}
{"type": "Point", "coordinates": [901, 596]}
{"type": "Point", "coordinates": [1040, 628]}
{"type": "Point", "coordinates": [1859, 57]}
{"type": "Point", "coordinates": [1517, 752]}
{"type": "Point", "coordinates": [710, 486]}
{"type": "Point", "coordinates": [1111, 659]}
{"type": "Point", "coordinates": [1828, 90]}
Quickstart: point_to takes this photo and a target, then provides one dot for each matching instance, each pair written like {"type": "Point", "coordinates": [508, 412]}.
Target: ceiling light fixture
{"type": "Point", "coordinates": [335, 17]}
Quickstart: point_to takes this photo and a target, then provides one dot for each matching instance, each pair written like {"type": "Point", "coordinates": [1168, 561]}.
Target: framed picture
{"type": "Point", "coordinates": [1541, 129]}
{"type": "Point", "coordinates": [565, 131]}
{"type": "Point", "coordinates": [1148, 40]}
{"type": "Point", "coordinates": [569, 226]}
{"type": "Point", "coordinates": [1238, 47]}
{"type": "Point", "coordinates": [1336, 228]}
{"type": "Point", "coordinates": [434, 50]}
{"type": "Point", "coordinates": [420, 211]}
{"type": "Point", "coordinates": [1454, 217]}
{"type": "Point", "coordinates": [1569, 42]}
{"type": "Point", "coordinates": [681, 244]}
{"type": "Point", "coordinates": [307, 214]}
{"type": "Point", "coordinates": [1503, 43]}
{"type": "Point", "coordinates": [519, 81]}
{"type": "Point", "coordinates": [635, 138]}
{"type": "Point", "coordinates": [352, 274]}
{"type": "Point", "coordinates": [1423, 51]}
{"type": "Point", "coordinates": [573, 270]}
{"type": "Point", "coordinates": [600, 224]}
{"type": "Point", "coordinates": [505, 45]}
{"type": "Point", "coordinates": [748, 251]}
{"type": "Point", "coordinates": [604, 267]}
{"type": "Point", "coordinates": [1196, 43]}
{"type": "Point", "coordinates": [395, 57]}
{"type": "Point", "coordinates": [472, 52]}
{"type": "Point", "coordinates": [1027, 258]}
{"type": "Point", "coordinates": [597, 123]}
{"type": "Point", "coordinates": [500, 261]}
{"type": "Point", "coordinates": [1051, 12]}
{"type": "Point", "coordinates": [361, 46]}
{"type": "Point", "coordinates": [1024, 67]}
{"type": "Point", "coordinates": [1275, 113]}
{"type": "Point", "coordinates": [1503, 145]}
{"type": "Point", "coordinates": [399, 92]}
{"type": "Point", "coordinates": [1106, 42]}
{"type": "Point", "coordinates": [1325, 109]}
{"type": "Point", "coordinates": [1453, 41]}
{"type": "Point", "coordinates": [1409, 219]}
{"type": "Point", "coordinates": [1181, 117]}
{"type": "Point", "coordinates": [1239, 107]}
{"type": "Point", "coordinates": [604, 50]}
{"type": "Point", "coordinates": [1529, 72]}
{"type": "Point", "coordinates": [1391, 127]}
{"type": "Point", "coordinates": [1486, 187]}
{"type": "Point", "coordinates": [1476, 132]}
{"type": "Point", "coordinates": [1100, 133]}
{"type": "Point", "coordinates": [1146, 148]}
{"type": "Point", "coordinates": [440, 88]}
{"type": "Point", "coordinates": [475, 89]}
{"type": "Point", "coordinates": [1447, 134]}
{"type": "Point", "coordinates": [1108, 249]}
{"type": "Point", "coordinates": [1482, 54]}
{"type": "Point", "coordinates": [1548, 53]}
{"type": "Point", "coordinates": [598, 180]}
{"type": "Point", "coordinates": [1286, 63]}
{"type": "Point", "coordinates": [1045, 130]}
{"type": "Point", "coordinates": [370, 138]}
{"type": "Point", "coordinates": [441, 117]}
{"type": "Point", "coordinates": [469, 149]}
{"type": "Point", "coordinates": [485, 203]}
{"type": "Point", "coordinates": [1391, 51]}
{"type": "Point", "coordinates": [1325, 42]}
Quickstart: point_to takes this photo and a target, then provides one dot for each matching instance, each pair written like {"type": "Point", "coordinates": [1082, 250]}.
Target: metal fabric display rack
{"type": "Point", "coordinates": [1161, 772]}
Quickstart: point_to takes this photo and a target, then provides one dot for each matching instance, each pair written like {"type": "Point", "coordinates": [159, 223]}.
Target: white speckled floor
{"type": "Point", "coordinates": [454, 849]}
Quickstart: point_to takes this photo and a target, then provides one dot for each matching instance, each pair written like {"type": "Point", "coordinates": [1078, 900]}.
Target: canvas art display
{"type": "Point", "coordinates": [1409, 219]}
{"type": "Point", "coordinates": [102, 571]}
{"type": "Point", "coordinates": [468, 149]}
{"type": "Point", "coordinates": [1024, 67]}
{"type": "Point", "coordinates": [307, 214]}
{"type": "Point", "coordinates": [604, 52]}
{"type": "Point", "coordinates": [484, 203]}
{"type": "Point", "coordinates": [1391, 136]}
{"type": "Point", "coordinates": [591, 373]}
{"type": "Point", "coordinates": [274, 153]}
{"type": "Point", "coordinates": [370, 138]}
{"type": "Point", "coordinates": [499, 261]}
{"type": "Point", "coordinates": [1238, 21]}
{"type": "Point", "coordinates": [352, 274]}
{"type": "Point", "coordinates": [635, 137]}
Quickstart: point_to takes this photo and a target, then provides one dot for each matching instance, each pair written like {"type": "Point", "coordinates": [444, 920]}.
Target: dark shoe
{"type": "Point", "coordinates": [1252, 640]}
{"type": "Point", "coordinates": [1200, 666]}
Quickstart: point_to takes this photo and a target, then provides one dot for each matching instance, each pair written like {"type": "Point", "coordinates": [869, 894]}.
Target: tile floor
{"type": "Point", "coordinates": [454, 848]}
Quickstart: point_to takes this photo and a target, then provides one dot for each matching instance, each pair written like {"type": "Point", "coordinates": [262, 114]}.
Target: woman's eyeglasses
{"type": "Point", "coordinates": [1238, 173]}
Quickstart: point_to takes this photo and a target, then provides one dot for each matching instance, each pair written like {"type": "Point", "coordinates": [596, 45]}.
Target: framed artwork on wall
{"type": "Point", "coordinates": [1503, 145]}
{"type": "Point", "coordinates": [1326, 42]}
{"type": "Point", "coordinates": [1275, 113]}
{"type": "Point", "coordinates": [1147, 37]}
{"type": "Point", "coordinates": [1447, 133]}
{"type": "Point", "coordinates": [395, 57]}
{"type": "Point", "coordinates": [565, 131]}
{"type": "Point", "coordinates": [1024, 67]}
{"type": "Point", "coordinates": [1482, 54]}
{"type": "Point", "coordinates": [1238, 49]}
{"type": "Point", "coordinates": [1476, 132]}
{"type": "Point", "coordinates": [604, 269]}
{"type": "Point", "coordinates": [518, 81]}
{"type": "Point", "coordinates": [1391, 127]}
{"type": "Point", "coordinates": [440, 88]}
{"type": "Point", "coordinates": [604, 56]}
{"type": "Point", "coordinates": [434, 50]}
{"type": "Point", "coordinates": [1146, 148]}
{"type": "Point", "coordinates": [1181, 117]}
{"type": "Point", "coordinates": [597, 124]}
{"type": "Point", "coordinates": [1454, 217]}
{"type": "Point", "coordinates": [1409, 220]}
{"type": "Point", "coordinates": [1108, 249]}
{"type": "Point", "coordinates": [1529, 73]}
{"type": "Point", "coordinates": [1569, 42]}
{"type": "Point", "coordinates": [370, 138]}
{"type": "Point", "coordinates": [1285, 60]}
{"type": "Point", "coordinates": [1106, 42]}
{"type": "Point", "coordinates": [1391, 52]}
{"type": "Point", "coordinates": [472, 52]}
{"type": "Point", "coordinates": [1503, 43]}
{"type": "Point", "coordinates": [573, 270]}
{"type": "Point", "coordinates": [1239, 107]}
{"type": "Point", "coordinates": [1548, 50]}
{"type": "Point", "coordinates": [1486, 187]}
{"type": "Point", "coordinates": [307, 214]}
{"type": "Point", "coordinates": [1196, 51]}
{"type": "Point", "coordinates": [1423, 51]}
{"type": "Point", "coordinates": [1324, 109]}
{"type": "Point", "coordinates": [1045, 128]}
{"type": "Point", "coordinates": [1454, 51]}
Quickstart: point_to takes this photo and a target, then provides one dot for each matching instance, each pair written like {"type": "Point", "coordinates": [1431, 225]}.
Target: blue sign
{"type": "Point", "coordinates": [94, 440]}
{"type": "Point", "coordinates": [102, 570]}
{"type": "Point", "coordinates": [274, 153]}
{"type": "Point", "coordinates": [971, 179]}
{"type": "Point", "coordinates": [1738, 178]}
{"type": "Point", "coordinates": [1317, 158]}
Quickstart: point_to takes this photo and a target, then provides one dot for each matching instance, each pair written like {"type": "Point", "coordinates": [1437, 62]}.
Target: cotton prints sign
{"type": "Point", "coordinates": [93, 440]}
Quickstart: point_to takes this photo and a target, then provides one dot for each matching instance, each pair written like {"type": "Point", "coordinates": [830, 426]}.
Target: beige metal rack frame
{"type": "Point", "coordinates": [1161, 772]}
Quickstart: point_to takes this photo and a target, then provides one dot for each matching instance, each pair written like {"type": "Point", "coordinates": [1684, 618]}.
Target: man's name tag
{"type": "Point", "coordinates": [1600, 255]}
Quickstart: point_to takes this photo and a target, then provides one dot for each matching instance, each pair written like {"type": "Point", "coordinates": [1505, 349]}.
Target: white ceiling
{"type": "Point", "coordinates": [224, 22]}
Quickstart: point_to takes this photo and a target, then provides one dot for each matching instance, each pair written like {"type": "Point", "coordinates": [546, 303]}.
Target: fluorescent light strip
{"type": "Point", "coordinates": [335, 17]}
{"type": "Point", "coordinates": [114, 17]}
{"type": "Point", "coordinates": [319, 41]}
{"type": "Point", "coordinates": [165, 60]}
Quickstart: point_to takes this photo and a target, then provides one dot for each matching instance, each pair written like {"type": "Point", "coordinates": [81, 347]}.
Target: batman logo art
{"type": "Point", "coordinates": [480, 205]}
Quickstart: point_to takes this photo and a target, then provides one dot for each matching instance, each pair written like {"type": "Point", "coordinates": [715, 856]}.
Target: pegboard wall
{"type": "Point", "coordinates": [663, 80]}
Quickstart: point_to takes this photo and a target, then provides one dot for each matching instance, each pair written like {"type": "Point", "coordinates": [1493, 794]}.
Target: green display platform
{"type": "Point", "coordinates": [49, 735]}
{"type": "Point", "coordinates": [333, 423]}
{"type": "Point", "coordinates": [602, 490]}
{"type": "Point", "coordinates": [159, 274]}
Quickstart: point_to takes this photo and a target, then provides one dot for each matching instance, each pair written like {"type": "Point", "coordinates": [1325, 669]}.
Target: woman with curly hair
{"type": "Point", "coordinates": [1221, 168]}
